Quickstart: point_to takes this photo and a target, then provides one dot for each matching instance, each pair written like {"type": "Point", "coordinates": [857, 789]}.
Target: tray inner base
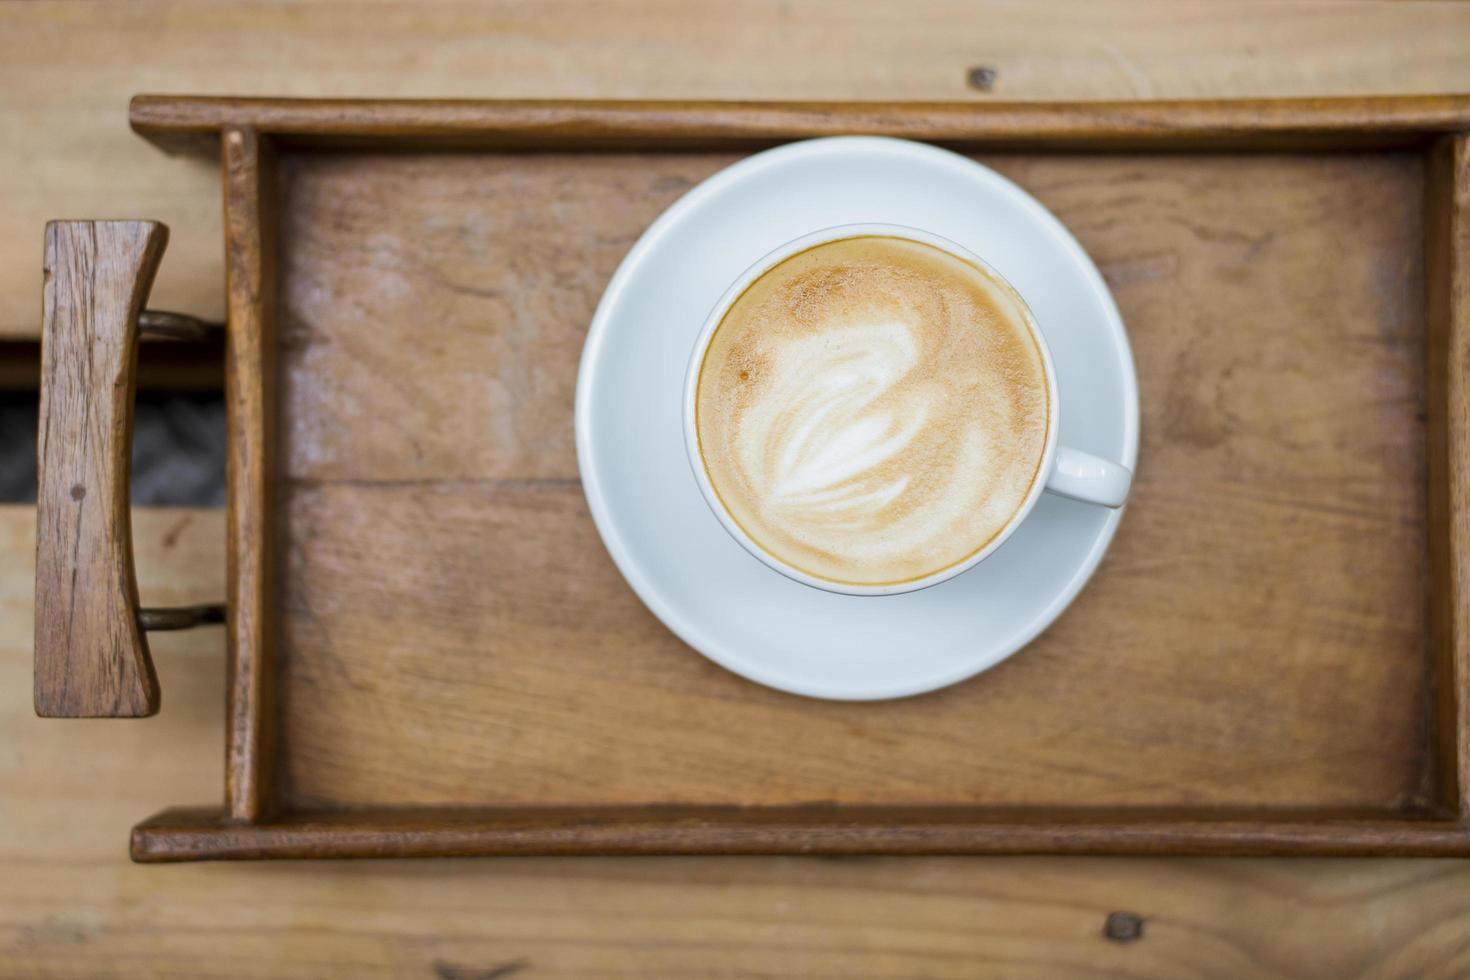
{"type": "Point", "coordinates": [453, 634]}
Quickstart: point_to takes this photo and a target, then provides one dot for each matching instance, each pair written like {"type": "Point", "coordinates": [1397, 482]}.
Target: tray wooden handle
{"type": "Point", "coordinates": [92, 655]}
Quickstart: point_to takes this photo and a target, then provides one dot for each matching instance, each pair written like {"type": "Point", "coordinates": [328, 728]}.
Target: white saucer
{"type": "Point", "coordinates": [670, 547]}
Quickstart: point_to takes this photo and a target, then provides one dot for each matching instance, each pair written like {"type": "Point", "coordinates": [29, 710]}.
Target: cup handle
{"type": "Point", "coordinates": [1088, 478]}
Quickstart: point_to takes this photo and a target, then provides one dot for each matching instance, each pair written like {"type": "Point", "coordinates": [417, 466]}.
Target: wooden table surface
{"type": "Point", "coordinates": [70, 902]}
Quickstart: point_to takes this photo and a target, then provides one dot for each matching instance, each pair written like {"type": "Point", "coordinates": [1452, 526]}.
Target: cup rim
{"type": "Point", "coordinates": [712, 322]}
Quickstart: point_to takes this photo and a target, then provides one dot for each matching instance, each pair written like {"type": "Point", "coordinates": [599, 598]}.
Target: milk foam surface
{"type": "Point", "coordinates": [873, 410]}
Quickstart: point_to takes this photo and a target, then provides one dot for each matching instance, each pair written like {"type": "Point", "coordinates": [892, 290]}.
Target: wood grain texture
{"type": "Point", "coordinates": [433, 310]}
{"type": "Point", "coordinates": [1247, 123]}
{"type": "Point", "coordinates": [1447, 399]}
{"type": "Point", "coordinates": [190, 835]}
{"type": "Point", "coordinates": [91, 656]}
{"type": "Point", "coordinates": [250, 405]}
{"type": "Point", "coordinates": [71, 903]}
{"type": "Point", "coordinates": [68, 68]}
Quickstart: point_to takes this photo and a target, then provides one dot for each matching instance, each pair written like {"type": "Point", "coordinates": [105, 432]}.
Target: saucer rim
{"type": "Point", "coordinates": [694, 634]}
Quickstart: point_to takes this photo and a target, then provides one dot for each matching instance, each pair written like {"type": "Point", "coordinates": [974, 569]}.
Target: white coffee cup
{"type": "Point", "coordinates": [1066, 472]}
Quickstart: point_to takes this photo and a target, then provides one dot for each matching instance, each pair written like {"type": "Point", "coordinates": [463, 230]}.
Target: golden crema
{"type": "Point", "coordinates": [873, 410]}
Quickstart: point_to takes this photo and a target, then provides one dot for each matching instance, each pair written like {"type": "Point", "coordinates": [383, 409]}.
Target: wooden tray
{"type": "Point", "coordinates": [430, 652]}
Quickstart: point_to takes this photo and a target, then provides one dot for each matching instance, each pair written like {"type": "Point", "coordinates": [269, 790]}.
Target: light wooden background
{"type": "Point", "coordinates": [71, 904]}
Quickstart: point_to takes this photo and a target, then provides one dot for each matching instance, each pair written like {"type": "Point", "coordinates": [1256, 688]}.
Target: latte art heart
{"type": "Point", "coordinates": [821, 453]}
{"type": "Point", "coordinates": [873, 410]}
